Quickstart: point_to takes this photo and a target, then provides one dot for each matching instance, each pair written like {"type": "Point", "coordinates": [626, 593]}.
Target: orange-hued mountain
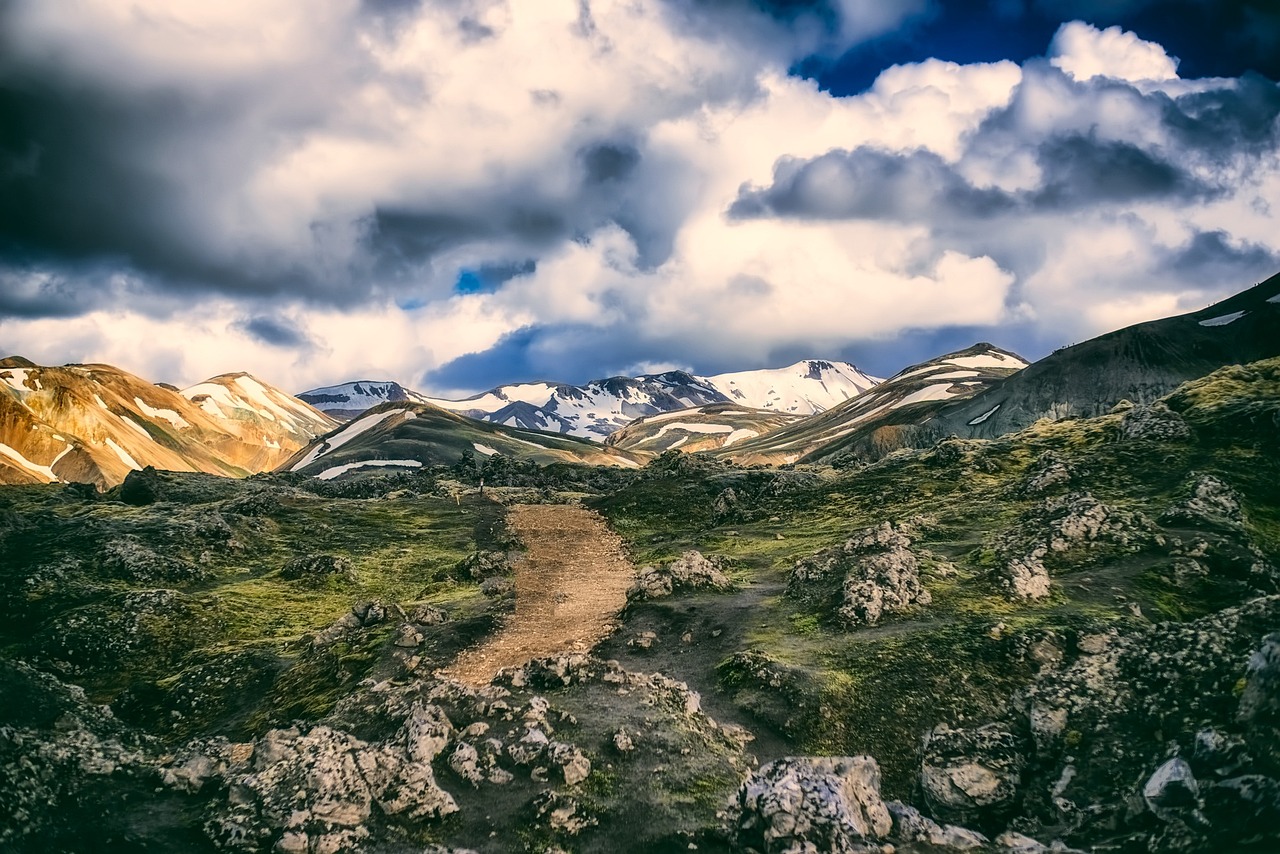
{"type": "Point", "coordinates": [96, 423]}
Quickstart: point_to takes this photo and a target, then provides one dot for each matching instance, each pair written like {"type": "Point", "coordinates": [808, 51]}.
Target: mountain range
{"type": "Point", "coordinates": [600, 407]}
{"type": "Point", "coordinates": [95, 423]}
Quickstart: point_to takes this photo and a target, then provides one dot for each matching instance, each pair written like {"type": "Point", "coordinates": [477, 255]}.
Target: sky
{"type": "Point", "coordinates": [460, 193]}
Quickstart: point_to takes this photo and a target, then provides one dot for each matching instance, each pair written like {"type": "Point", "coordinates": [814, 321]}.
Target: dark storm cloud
{"type": "Point", "coordinates": [26, 292]}
{"type": "Point", "coordinates": [1211, 256]}
{"type": "Point", "coordinates": [609, 162]}
{"type": "Point", "coordinates": [92, 191]}
{"type": "Point", "coordinates": [1078, 170]}
{"type": "Point", "coordinates": [276, 331]}
{"type": "Point", "coordinates": [867, 183]}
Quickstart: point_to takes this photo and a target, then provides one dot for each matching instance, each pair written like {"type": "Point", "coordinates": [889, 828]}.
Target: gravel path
{"type": "Point", "coordinates": [570, 586]}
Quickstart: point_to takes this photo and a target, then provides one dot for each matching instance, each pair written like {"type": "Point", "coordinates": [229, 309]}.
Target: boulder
{"type": "Point", "coordinates": [798, 804]}
{"type": "Point", "coordinates": [877, 570]}
{"type": "Point", "coordinates": [971, 776]}
{"type": "Point", "coordinates": [1211, 504]}
{"type": "Point", "coordinates": [1156, 422]}
{"type": "Point", "coordinates": [317, 569]}
{"type": "Point", "coordinates": [318, 789]}
{"type": "Point", "coordinates": [691, 571]}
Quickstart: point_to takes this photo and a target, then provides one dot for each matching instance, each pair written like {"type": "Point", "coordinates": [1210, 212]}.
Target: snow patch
{"type": "Point", "coordinates": [987, 360]}
{"type": "Point", "coordinates": [167, 414]}
{"type": "Point", "coordinates": [138, 428]}
{"type": "Point", "coordinates": [1224, 319]}
{"type": "Point", "coordinates": [17, 382]}
{"type": "Point", "coordinates": [330, 474]}
{"type": "Point", "coordinates": [345, 435]}
{"type": "Point", "coordinates": [484, 449]}
{"type": "Point", "coordinates": [45, 471]}
{"type": "Point", "coordinates": [124, 455]}
{"type": "Point", "coordinates": [695, 428]}
{"type": "Point", "coordinates": [1275, 298]}
{"type": "Point", "coordinates": [740, 435]}
{"type": "Point", "coordinates": [984, 416]}
{"type": "Point", "coordinates": [937, 391]}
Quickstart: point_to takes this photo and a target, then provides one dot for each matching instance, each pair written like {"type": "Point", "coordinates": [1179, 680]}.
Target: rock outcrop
{"type": "Point", "coordinates": [878, 572]}
{"type": "Point", "coordinates": [800, 804]}
{"type": "Point", "coordinates": [691, 571]}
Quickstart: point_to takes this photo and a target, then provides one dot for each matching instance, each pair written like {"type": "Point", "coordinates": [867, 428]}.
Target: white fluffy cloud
{"type": "Point", "coordinates": [1085, 52]}
{"type": "Point", "coordinates": [298, 186]}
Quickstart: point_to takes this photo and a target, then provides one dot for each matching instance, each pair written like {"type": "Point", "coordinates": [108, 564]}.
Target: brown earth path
{"type": "Point", "coordinates": [570, 585]}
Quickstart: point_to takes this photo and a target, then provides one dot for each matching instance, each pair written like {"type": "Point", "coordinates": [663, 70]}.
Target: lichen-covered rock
{"type": "Point", "coordinates": [428, 615]}
{"type": "Point", "coordinates": [1212, 504]}
{"type": "Point", "coordinates": [971, 776]}
{"type": "Point", "coordinates": [57, 750]}
{"type": "Point", "coordinates": [317, 569]}
{"type": "Point", "coordinates": [1172, 792]}
{"type": "Point", "coordinates": [1164, 718]}
{"type": "Point", "coordinates": [1060, 526]}
{"type": "Point", "coordinates": [127, 559]}
{"type": "Point", "coordinates": [1049, 471]}
{"type": "Point", "coordinates": [690, 571]}
{"type": "Point", "coordinates": [362, 615]}
{"type": "Point", "coordinates": [1157, 422]}
{"type": "Point", "coordinates": [562, 814]}
{"type": "Point", "coordinates": [877, 570]}
{"type": "Point", "coordinates": [911, 827]}
{"type": "Point", "coordinates": [880, 583]}
{"type": "Point", "coordinates": [483, 564]}
{"type": "Point", "coordinates": [320, 788]}
{"type": "Point", "coordinates": [811, 804]}
{"type": "Point", "coordinates": [497, 585]}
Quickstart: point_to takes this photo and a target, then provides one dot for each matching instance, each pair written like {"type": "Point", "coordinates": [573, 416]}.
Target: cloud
{"type": "Point", "coordinates": [1085, 52]}
{"type": "Point", "coordinates": [276, 331]}
{"type": "Point", "coordinates": [440, 192]}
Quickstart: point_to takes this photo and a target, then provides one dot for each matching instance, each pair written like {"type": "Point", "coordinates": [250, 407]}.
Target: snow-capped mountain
{"type": "Point", "coordinates": [600, 407]}
{"type": "Point", "coordinates": [96, 423]}
{"type": "Point", "coordinates": [347, 400]}
{"type": "Point", "coordinates": [954, 376]}
{"type": "Point", "coordinates": [593, 410]}
{"type": "Point", "coordinates": [805, 388]}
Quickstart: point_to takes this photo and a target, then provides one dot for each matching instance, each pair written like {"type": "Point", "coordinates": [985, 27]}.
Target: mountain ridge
{"type": "Point", "coordinates": [599, 407]}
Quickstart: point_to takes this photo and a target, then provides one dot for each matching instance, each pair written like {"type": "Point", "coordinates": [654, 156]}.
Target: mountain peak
{"type": "Point", "coordinates": [17, 362]}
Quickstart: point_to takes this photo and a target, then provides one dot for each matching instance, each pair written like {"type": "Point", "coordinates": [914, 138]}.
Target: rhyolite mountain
{"type": "Point", "coordinates": [911, 391]}
{"type": "Point", "coordinates": [600, 407]}
{"type": "Point", "coordinates": [702, 428]}
{"type": "Point", "coordinates": [95, 423]}
{"type": "Point", "coordinates": [405, 435]}
{"type": "Point", "coordinates": [1138, 364]}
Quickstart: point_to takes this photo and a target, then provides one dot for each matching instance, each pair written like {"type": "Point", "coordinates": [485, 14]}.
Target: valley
{"type": "Point", "coordinates": [857, 630]}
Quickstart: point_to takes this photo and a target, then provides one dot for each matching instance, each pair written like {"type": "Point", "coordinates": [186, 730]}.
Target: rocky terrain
{"type": "Point", "coordinates": [1067, 638]}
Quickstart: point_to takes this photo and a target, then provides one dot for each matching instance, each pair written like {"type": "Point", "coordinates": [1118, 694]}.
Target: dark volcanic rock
{"type": "Point", "coordinates": [1156, 421]}
{"type": "Point", "coordinates": [971, 776]}
{"type": "Point", "coordinates": [317, 568]}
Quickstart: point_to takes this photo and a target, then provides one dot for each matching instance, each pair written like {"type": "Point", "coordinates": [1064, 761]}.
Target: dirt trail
{"type": "Point", "coordinates": [569, 588]}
